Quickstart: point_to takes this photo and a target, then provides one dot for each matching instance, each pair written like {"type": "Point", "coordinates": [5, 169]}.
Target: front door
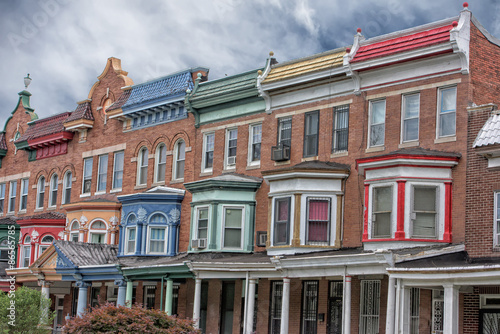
{"type": "Point", "coordinates": [335, 307]}
{"type": "Point", "coordinates": [227, 307]}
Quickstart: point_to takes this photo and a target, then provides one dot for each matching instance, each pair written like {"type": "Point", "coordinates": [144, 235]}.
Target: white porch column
{"type": "Point", "coordinates": [168, 296]}
{"type": "Point", "coordinates": [197, 303]}
{"type": "Point", "coordinates": [82, 297]}
{"type": "Point", "coordinates": [404, 312]}
{"type": "Point", "coordinates": [285, 306]}
{"type": "Point", "coordinates": [391, 306]}
{"type": "Point", "coordinates": [450, 321]}
{"type": "Point", "coordinates": [250, 305]}
{"type": "Point", "coordinates": [347, 305]}
{"type": "Point", "coordinates": [122, 292]}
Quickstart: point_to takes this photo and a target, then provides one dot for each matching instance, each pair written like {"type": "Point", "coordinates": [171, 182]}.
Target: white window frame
{"type": "Point", "coordinates": [374, 309]}
{"type": "Point", "coordinates": [152, 225]}
{"type": "Point", "coordinates": [98, 231]}
{"type": "Point", "coordinates": [160, 177]}
{"type": "Point", "coordinates": [67, 183]}
{"type": "Point", "coordinates": [393, 209]}
{"type": "Point", "coordinates": [405, 119]}
{"type": "Point", "coordinates": [25, 248]}
{"type": "Point", "coordinates": [116, 171]}
{"type": "Point", "coordinates": [437, 221]}
{"type": "Point", "coordinates": [127, 234]}
{"type": "Point", "coordinates": [74, 231]}
{"type": "Point", "coordinates": [102, 173]}
{"type": "Point", "coordinates": [24, 195]}
{"type": "Point", "coordinates": [44, 245]}
{"type": "Point", "coordinates": [40, 192]}
{"type": "Point", "coordinates": [439, 112]}
{"type": "Point", "coordinates": [53, 191]}
{"type": "Point", "coordinates": [2, 198]}
{"type": "Point", "coordinates": [142, 166]}
{"type": "Point", "coordinates": [87, 174]}
{"type": "Point", "coordinates": [206, 150]}
{"type": "Point", "coordinates": [178, 160]}
{"type": "Point", "coordinates": [242, 226]}
{"type": "Point", "coordinates": [196, 227]}
{"type": "Point", "coordinates": [12, 196]}
{"type": "Point", "coordinates": [231, 135]}
{"type": "Point", "coordinates": [371, 124]}
{"type": "Point", "coordinates": [291, 209]}
{"type": "Point", "coordinates": [251, 144]}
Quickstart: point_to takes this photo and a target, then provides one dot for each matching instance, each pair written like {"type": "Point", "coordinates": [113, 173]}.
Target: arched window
{"type": "Point", "coordinates": [74, 231]}
{"type": "Point", "coordinates": [97, 233]}
{"type": "Point", "coordinates": [26, 253]}
{"type": "Point", "coordinates": [53, 190]}
{"type": "Point", "coordinates": [179, 157]}
{"type": "Point", "coordinates": [67, 188]}
{"type": "Point", "coordinates": [161, 161]}
{"type": "Point", "coordinates": [40, 192]}
{"type": "Point", "coordinates": [45, 243]}
{"type": "Point", "coordinates": [131, 234]}
{"type": "Point", "coordinates": [142, 167]}
{"type": "Point", "coordinates": [157, 234]}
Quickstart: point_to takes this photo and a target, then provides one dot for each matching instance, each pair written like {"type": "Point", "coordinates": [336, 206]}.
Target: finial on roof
{"type": "Point", "coordinates": [259, 72]}
{"type": "Point", "coordinates": [27, 81]}
{"type": "Point", "coordinates": [348, 50]}
{"type": "Point", "coordinates": [358, 30]}
{"type": "Point", "coordinates": [466, 4]}
{"type": "Point", "coordinates": [454, 24]}
{"type": "Point", "coordinates": [271, 53]}
{"type": "Point", "coordinates": [199, 75]}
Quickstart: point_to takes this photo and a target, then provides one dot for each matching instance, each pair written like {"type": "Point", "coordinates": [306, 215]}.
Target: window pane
{"type": "Point", "coordinates": [232, 238]}
{"type": "Point", "coordinates": [425, 199]}
{"type": "Point", "coordinates": [382, 199]}
{"type": "Point", "coordinates": [382, 210]}
{"type": "Point", "coordinates": [285, 132]}
{"type": "Point", "coordinates": [87, 171]}
{"type": "Point", "coordinates": [411, 106]}
{"type": "Point", "coordinates": [233, 218]}
{"type": "Point", "coordinates": [377, 134]}
{"type": "Point", "coordinates": [410, 129]}
{"type": "Point", "coordinates": [448, 99]}
{"type": "Point", "coordinates": [378, 112]}
{"type": "Point", "coordinates": [447, 124]}
{"type": "Point", "coordinates": [118, 170]}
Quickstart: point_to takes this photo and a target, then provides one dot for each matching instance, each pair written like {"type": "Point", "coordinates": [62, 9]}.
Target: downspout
{"type": "Point", "coordinates": [161, 295]}
{"type": "Point", "coordinates": [343, 299]}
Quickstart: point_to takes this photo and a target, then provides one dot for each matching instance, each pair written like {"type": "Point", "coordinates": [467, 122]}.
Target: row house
{"type": "Point", "coordinates": [349, 191]}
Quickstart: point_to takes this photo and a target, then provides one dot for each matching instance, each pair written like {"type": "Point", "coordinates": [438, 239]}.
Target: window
{"type": "Point", "coordinates": [67, 181]}
{"type": "Point", "coordinates": [102, 173]}
{"type": "Point", "coordinates": [45, 243]}
{"type": "Point", "coordinates": [382, 212]}
{"type": "Point", "coordinates": [130, 240]}
{"type": "Point", "coordinates": [149, 296]}
{"type": "Point", "coordinates": [53, 190]}
{"type": "Point", "coordinates": [411, 110]}
{"type": "Point", "coordinates": [369, 307]}
{"type": "Point", "coordinates": [309, 306]}
{"type": "Point", "coordinates": [496, 227]}
{"type": "Point", "coordinates": [311, 129]}
{"type": "Point", "coordinates": [282, 221]}
{"type": "Point", "coordinates": [142, 171]}
{"type": "Point", "coordinates": [87, 175]}
{"type": "Point", "coordinates": [276, 300]}
{"type": "Point", "coordinates": [97, 232]}
{"type": "Point", "coordinates": [285, 132]}
{"type": "Point", "coordinates": [231, 143]}
{"type": "Point", "coordinates": [4, 250]}
{"type": "Point", "coordinates": [26, 255]}
{"type": "Point", "coordinates": [12, 196]}
{"type": "Point", "coordinates": [318, 221]}
{"type": "Point", "coordinates": [24, 195]}
{"type": "Point", "coordinates": [2, 196]}
{"type": "Point", "coordinates": [161, 162]}
{"type": "Point", "coordinates": [340, 128]}
{"type": "Point", "coordinates": [180, 157]}
{"type": "Point", "coordinates": [377, 123]}
{"type": "Point", "coordinates": [424, 212]}
{"type": "Point", "coordinates": [254, 144]}
{"type": "Point", "coordinates": [74, 231]}
{"type": "Point", "coordinates": [208, 152]}
{"type": "Point", "coordinates": [233, 226]}
{"type": "Point", "coordinates": [437, 311]}
{"type": "Point", "coordinates": [447, 108]}
{"type": "Point", "coordinates": [40, 192]}
{"type": "Point", "coordinates": [202, 223]}
{"type": "Point", "coordinates": [414, 310]}
{"type": "Point", "coordinates": [157, 236]}
{"type": "Point", "coordinates": [118, 170]}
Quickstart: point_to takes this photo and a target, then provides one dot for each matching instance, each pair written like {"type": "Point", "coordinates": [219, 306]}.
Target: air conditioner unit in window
{"type": "Point", "coordinates": [231, 161]}
{"type": "Point", "coordinates": [280, 153]}
{"type": "Point", "coordinates": [261, 238]}
{"type": "Point", "coordinates": [199, 243]}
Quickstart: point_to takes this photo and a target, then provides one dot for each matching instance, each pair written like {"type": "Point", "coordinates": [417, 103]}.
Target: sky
{"type": "Point", "coordinates": [64, 44]}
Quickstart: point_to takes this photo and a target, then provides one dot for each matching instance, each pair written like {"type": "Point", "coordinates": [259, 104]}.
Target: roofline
{"type": "Point", "coordinates": [232, 76]}
{"type": "Point", "coordinates": [317, 55]}
{"type": "Point", "coordinates": [485, 32]}
{"type": "Point", "coordinates": [190, 70]}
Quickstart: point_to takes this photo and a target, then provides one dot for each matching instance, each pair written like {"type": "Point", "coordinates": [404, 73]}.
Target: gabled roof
{"type": "Point", "coordinates": [403, 43]}
{"type": "Point", "coordinates": [86, 254]}
{"type": "Point", "coordinates": [83, 111]}
{"type": "Point", "coordinates": [303, 66]}
{"type": "Point", "coordinates": [44, 127]}
{"type": "Point", "coordinates": [490, 132]}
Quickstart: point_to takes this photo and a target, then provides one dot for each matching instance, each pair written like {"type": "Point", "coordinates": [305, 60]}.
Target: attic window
{"type": "Point", "coordinates": [106, 104]}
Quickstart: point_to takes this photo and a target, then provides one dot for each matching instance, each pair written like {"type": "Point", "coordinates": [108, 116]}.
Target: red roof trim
{"type": "Point", "coordinates": [56, 223]}
{"type": "Point", "coordinates": [405, 156]}
{"type": "Point", "coordinates": [51, 139]}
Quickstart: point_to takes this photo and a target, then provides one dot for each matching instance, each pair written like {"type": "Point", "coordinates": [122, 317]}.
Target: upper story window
{"type": "Point", "coordinates": [179, 158]}
{"type": "Point", "coordinates": [281, 226]}
{"type": "Point", "coordinates": [74, 231]}
{"type": "Point", "coordinates": [142, 164]}
{"type": "Point", "coordinates": [118, 170]}
{"type": "Point", "coordinates": [45, 243]}
{"type": "Point", "coordinates": [411, 111]}
{"type": "Point", "coordinates": [12, 196]}
{"type": "Point", "coordinates": [254, 144]}
{"type": "Point", "coordinates": [311, 132]}
{"type": "Point", "coordinates": [233, 227]}
{"type": "Point", "coordinates": [97, 232]}
{"type": "Point", "coordinates": [231, 144]}
{"type": "Point", "coordinates": [161, 162]}
{"type": "Point", "coordinates": [424, 211]}
{"type": "Point", "coordinates": [157, 234]}
{"type": "Point", "coordinates": [54, 185]}
{"type": "Point", "coordinates": [2, 196]}
{"type": "Point", "coordinates": [4, 250]}
{"type": "Point", "coordinates": [67, 182]}
{"type": "Point", "coordinates": [208, 152]}
{"type": "Point", "coordinates": [318, 221]}
{"type": "Point", "coordinates": [40, 192]}
{"type": "Point", "coordinates": [340, 128]}
{"type": "Point", "coordinates": [87, 175]}
{"type": "Point", "coordinates": [382, 212]}
{"type": "Point", "coordinates": [130, 238]}
{"type": "Point", "coordinates": [447, 108]}
{"type": "Point", "coordinates": [102, 174]}
{"type": "Point", "coordinates": [285, 131]}
{"type": "Point", "coordinates": [376, 132]}
{"type": "Point", "coordinates": [26, 252]}
{"type": "Point", "coordinates": [24, 195]}
{"type": "Point", "coordinates": [202, 223]}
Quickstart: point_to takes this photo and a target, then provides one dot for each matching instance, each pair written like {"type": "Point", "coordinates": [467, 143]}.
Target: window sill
{"type": "Point", "coordinates": [375, 149]}
{"type": "Point", "coordinates": [177, 181]}
{"type": "Point", "coordinates": [281, 163]}
{"type": "Point", "coordinates": [142, 186]}
{"type": "Point", "coordinates": [228, 170]}
{"type": "Point", "coordinates": [206, 173]}
{"type": "Point", "coordinates": [160, 183]}
{"type": "Point", "coordinates": [52, 208]}
{"type": "Point", "coordinates": [20, 212]}
{"type": "Point", "coordinates": [10, 214]}
{"type": "Point", "coordinates": [445, 139]}
{"type": "Point", "coordinates": [117, 190]}
{"type": "Point", "coordinates": [339, 154]}
{"type": "Point", "coordinates": [36, 210]}
{"type": "Point", "coordinates": [100, 192]}
{"type": "Point", "coordinates": [252, 167]}
{"type": "Point", "coordinates": [310, 158]}
{"type": "Point", "coordinates": [409, 144]}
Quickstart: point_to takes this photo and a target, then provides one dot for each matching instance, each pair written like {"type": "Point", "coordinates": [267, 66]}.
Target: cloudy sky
{"type": "Point", "coordinates": [64, 44]}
